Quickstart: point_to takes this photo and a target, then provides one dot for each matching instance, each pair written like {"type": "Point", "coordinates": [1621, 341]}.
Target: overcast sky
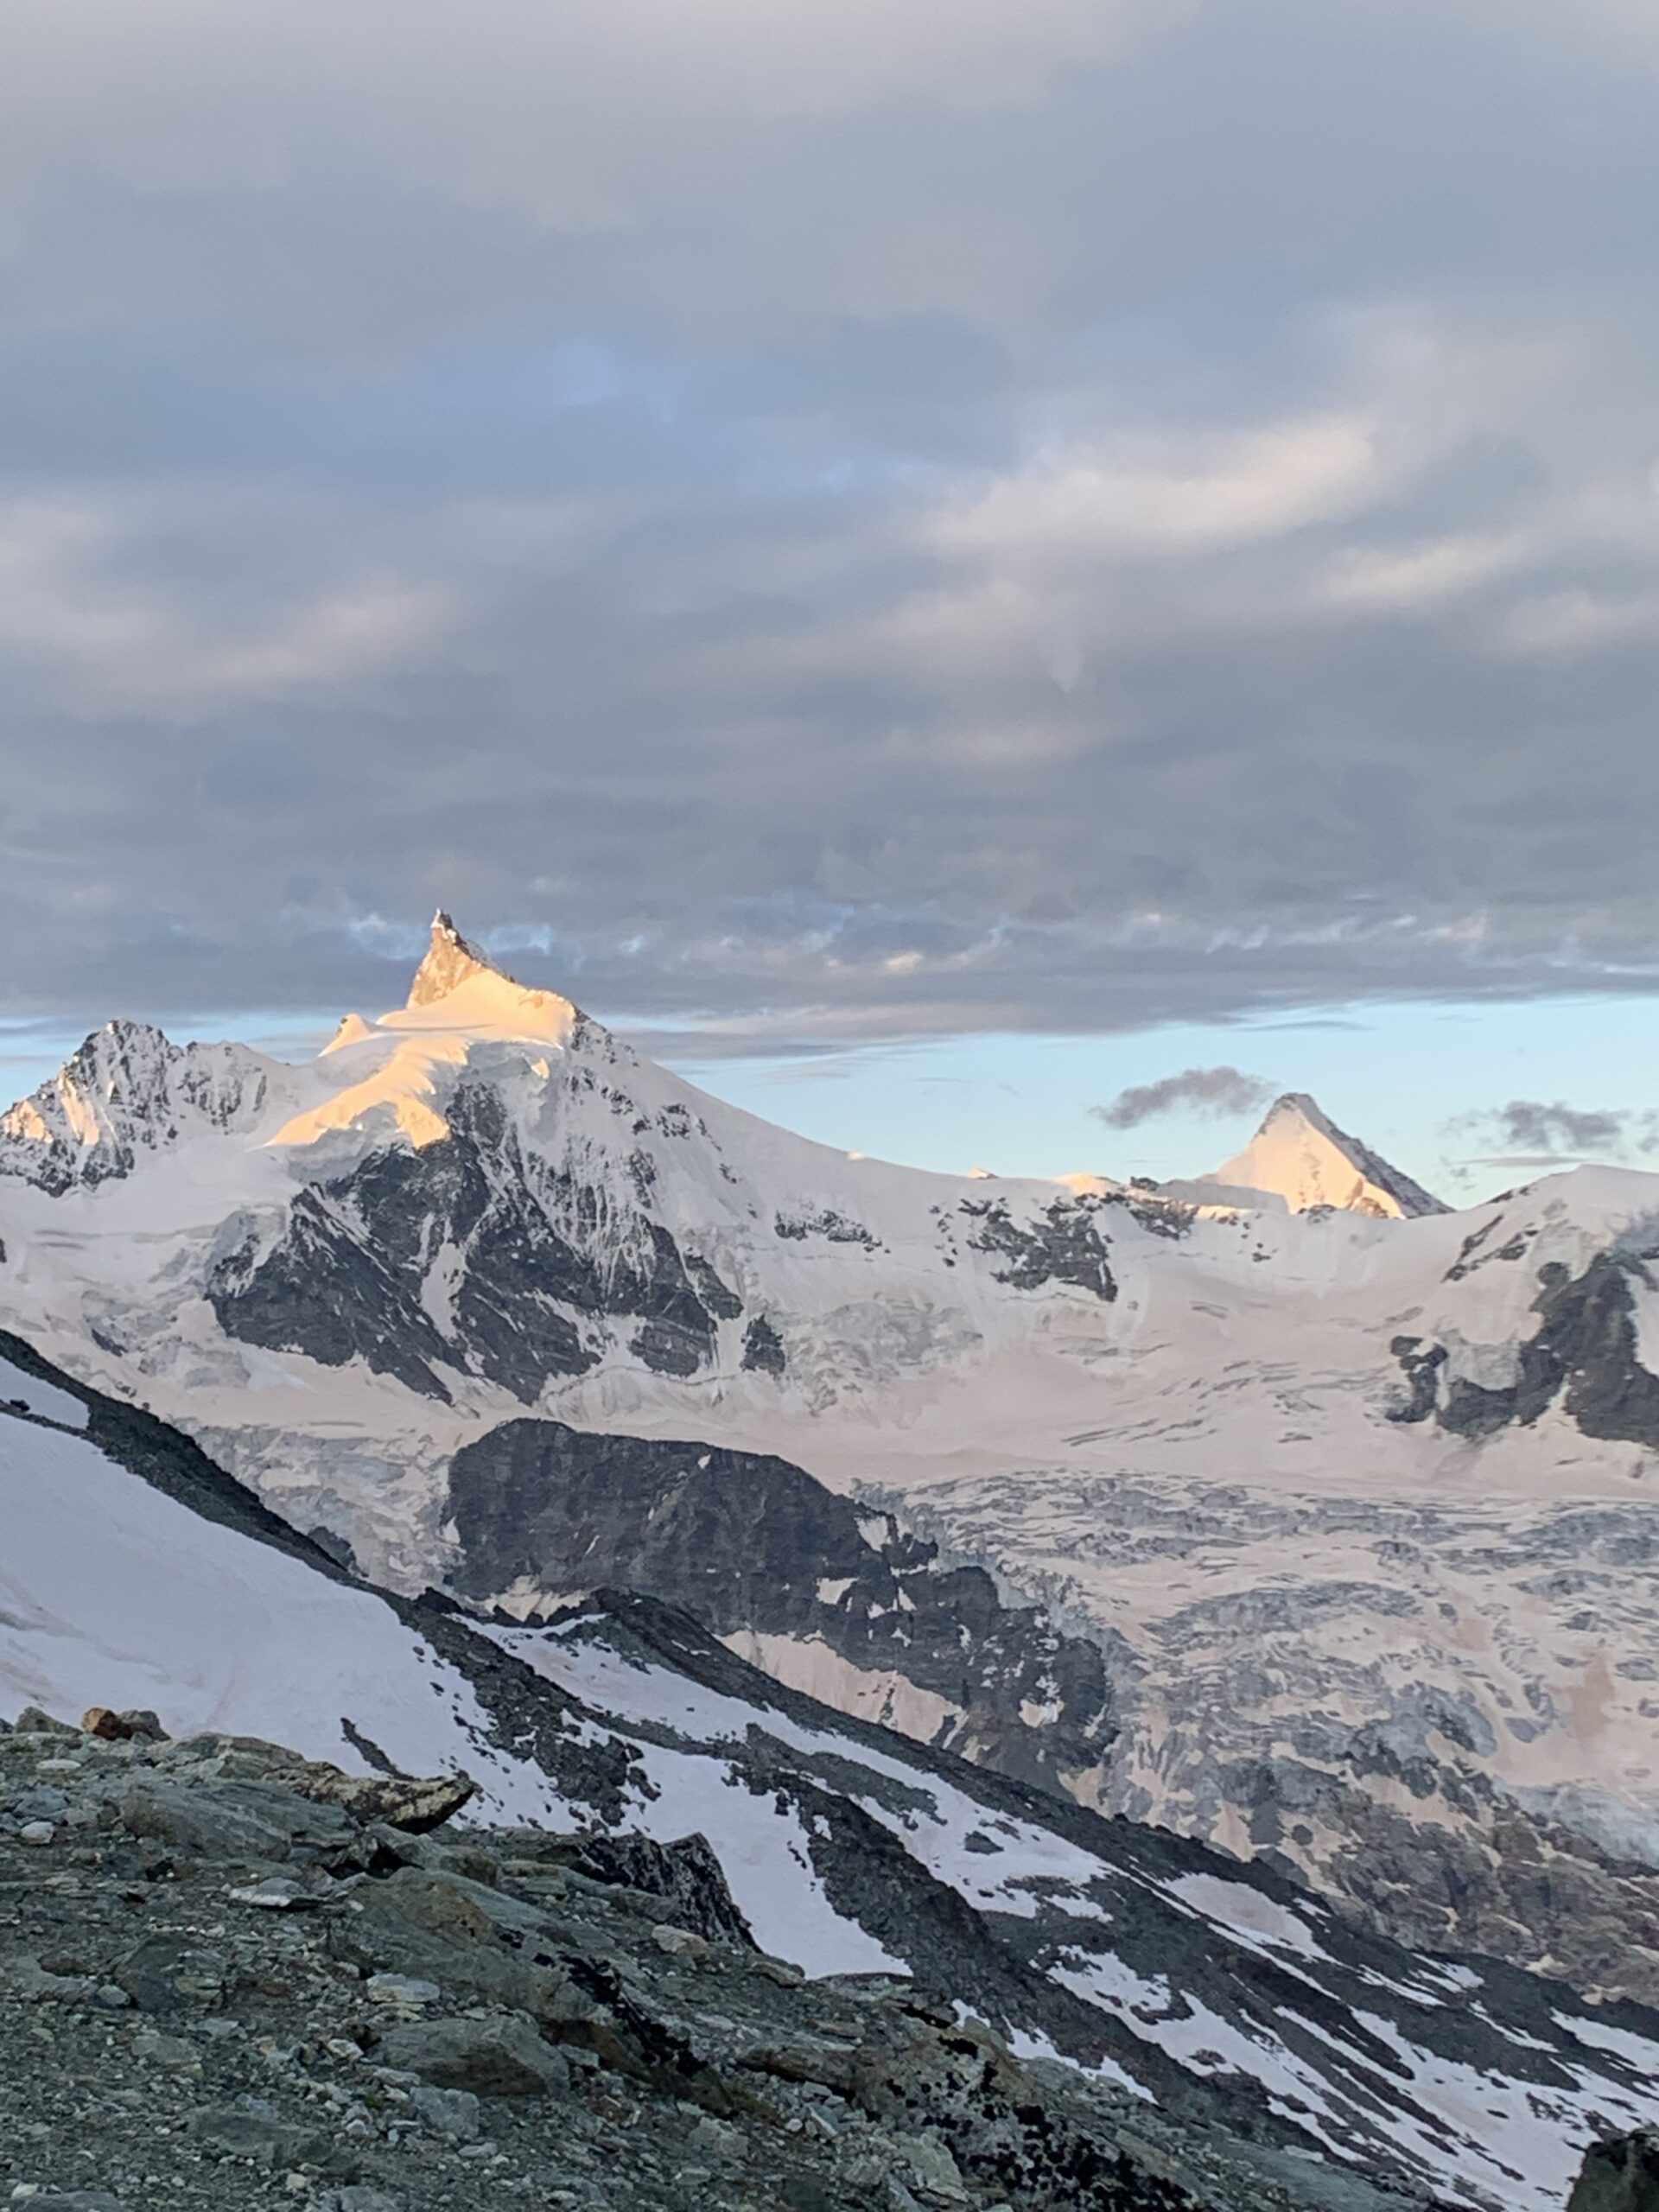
{"type": "Point", "coordinates": [823, 523]}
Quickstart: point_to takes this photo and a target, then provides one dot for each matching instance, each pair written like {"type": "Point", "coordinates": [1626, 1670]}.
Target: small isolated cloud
{"type": "Point", "coordinates": [1214, 1091]}
{"type": "Point", "coordinates": [1528, 1125]}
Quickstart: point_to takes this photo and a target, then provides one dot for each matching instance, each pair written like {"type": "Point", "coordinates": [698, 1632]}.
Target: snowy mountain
{"type": "Point", "coordinates": [1320, 1533]}
{"type": "Point", "coordinates": [1217, 1995]}
{"type": "Point", "coordinates": [1299, 1155]}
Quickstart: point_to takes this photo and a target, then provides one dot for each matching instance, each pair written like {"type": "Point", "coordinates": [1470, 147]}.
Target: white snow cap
{"type": "Point", "coordinates": [1300, 1155]}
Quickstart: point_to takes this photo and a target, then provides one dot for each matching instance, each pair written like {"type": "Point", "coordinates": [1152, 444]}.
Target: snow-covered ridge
{"type": "Point", "coordinates": [129, 1091]}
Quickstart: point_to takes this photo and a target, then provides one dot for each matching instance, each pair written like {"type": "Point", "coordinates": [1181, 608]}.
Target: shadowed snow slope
{"type": "Point", "coordinates": [134, 1570]}
{"type": "Point", "coordinates": [1324, 1534]}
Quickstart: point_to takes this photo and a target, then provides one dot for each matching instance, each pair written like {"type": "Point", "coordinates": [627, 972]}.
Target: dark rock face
{"type": "Point", "coordinates": [1064, 1244]}
{"type": "Point", "coordinates": [686, 1874]}
{"type": "Point", "coordinates": [750, 1543]}
{"type": "Point", "coordinates": [1584, 1356]}
{"type": "Point", "coordinates": [763, 1348]}
{"type": "Point", "coordinates": [1619, 2176]}
{"type": "Point", "coordinates": [324, 1292]}
{"type": "Point", "coordinates": [528, 1268]}
{"type": "Point", "coordinates": [823, 1221]}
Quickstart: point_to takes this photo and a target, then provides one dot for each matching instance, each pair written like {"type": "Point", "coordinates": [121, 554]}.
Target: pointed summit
{"type": "Point", "coordinates": [451, 960]}
{"type": "Point", "coordinates": [1299, 1154]}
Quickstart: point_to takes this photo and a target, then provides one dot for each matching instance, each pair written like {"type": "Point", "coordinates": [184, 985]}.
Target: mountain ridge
{"type": "Point", "coordinates": [1244, 1453]}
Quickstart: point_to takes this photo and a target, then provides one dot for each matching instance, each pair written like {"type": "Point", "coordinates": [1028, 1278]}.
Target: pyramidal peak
{"type": "Point", "coordinates": [1300, 1155]}
{"type": "Point", "coordinates": [451, 960]}
{"type": "Point", "coordinates": [404, 1066]}
{"type": "Point", "coordinates": [458, 988]}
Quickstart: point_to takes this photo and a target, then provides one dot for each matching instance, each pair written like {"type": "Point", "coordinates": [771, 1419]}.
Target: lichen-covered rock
{"type": "Point", "coordinates": [399, 1800]}
{"type": "Point", "coordinates": [569, 2041]}
{"type": "Point", "coordinates": [1622, 2175]}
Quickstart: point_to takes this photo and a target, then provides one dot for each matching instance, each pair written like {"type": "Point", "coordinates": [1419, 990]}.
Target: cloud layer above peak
{"type": "Point", "coordinates": [837, 522]}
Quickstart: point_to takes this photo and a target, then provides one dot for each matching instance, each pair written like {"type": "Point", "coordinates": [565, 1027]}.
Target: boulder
{"type": "Point", "coordinates": [452, 2114]}
{"type": "Point", "coordinates": [250, 2130]}
{"type": "Point", "coordinates": [113, 1727]}
{"type": "Point", "coordinates": [33, 1722]}
{"type": "Point", "coordinates": [164, 1973]}
{"type": "Point", "coordinates": [256, 1822]}
{"type": "Point", "coordinates": [501, 2057]}
{"type": "Point", "coordinates": [1622, 2175]}
{"type": "Point", "coordinates": [415, 1806]}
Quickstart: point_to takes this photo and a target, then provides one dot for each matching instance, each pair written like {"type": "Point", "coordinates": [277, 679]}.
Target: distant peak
{"type": "Point", "coordinates": [1299, 1154]}
{"type": "Point", "coordinates": [451, 960]}
{"type": "Point", "coordinates": [1299, 1105]}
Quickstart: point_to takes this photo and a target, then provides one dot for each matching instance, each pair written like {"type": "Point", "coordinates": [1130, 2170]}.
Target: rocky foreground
{"type": "Point", "coordinates": [229, 1976]}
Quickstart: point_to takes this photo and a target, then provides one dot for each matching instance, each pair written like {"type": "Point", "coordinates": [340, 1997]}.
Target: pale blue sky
{"type": "Point", "coordinates": [1403, 1078]}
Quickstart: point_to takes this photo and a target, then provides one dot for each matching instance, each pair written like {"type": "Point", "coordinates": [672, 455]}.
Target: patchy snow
{"type": "Point", "coordinates": [807, 1663]}
{"type": "Point", "coordinates": [766, 1860]}
{"type": "Point", "coordinates": [1246, 1913]}
{"type": "Point", "coordinates": [1641, 2050]}
{"type": "Point", "coordinates": [112, 1593]}
{"type": "Point", "coordinates": [42, 1399]}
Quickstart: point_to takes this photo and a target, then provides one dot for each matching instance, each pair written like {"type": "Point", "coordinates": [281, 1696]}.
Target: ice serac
{"type": "Point", "coordinates": [1300, 1155]}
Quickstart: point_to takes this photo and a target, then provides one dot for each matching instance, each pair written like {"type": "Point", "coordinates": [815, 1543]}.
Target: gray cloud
{"type": "Point", "coordinates": [1215, 1091]}
{"type": "Point", "coordinates": [1532, 1127]}
{"type": "Point", "coordinates": [1535, 1132]}
{"type": "Point", "coordinates": [823, 531]}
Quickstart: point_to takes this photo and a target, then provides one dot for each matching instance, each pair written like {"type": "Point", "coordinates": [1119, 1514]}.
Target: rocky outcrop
{"type": "Point", "coordinates": [1064, 1243]}
{"type": "Point", "coordinates": [1583, 1357]}
{"type": "Point", "coordinates": [1621, 2176]}
{"type": "Point", "coordinates": [125, 1092]}
{"type": "Point", "coordinates": [423, 2018]}
{"type": "Point", "coordinates": [768, 1558]}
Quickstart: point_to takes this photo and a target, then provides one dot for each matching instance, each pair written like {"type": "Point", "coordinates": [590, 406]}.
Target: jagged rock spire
{"type": "Point", "coordinates": [451, 960]}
